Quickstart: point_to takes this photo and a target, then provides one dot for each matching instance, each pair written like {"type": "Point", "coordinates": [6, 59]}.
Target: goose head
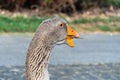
{"type": "Point", "coordinates": [57, 32]}
{"type": "Point", "coordinates": [51, 32]}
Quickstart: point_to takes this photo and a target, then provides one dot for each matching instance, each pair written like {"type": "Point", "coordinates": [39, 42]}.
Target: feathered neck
{"type": "Point", "coordinates": [37, 59]}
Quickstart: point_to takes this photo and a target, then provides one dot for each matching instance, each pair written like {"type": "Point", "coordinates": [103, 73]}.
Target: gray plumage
{"type": "Point", "coordinates": [48, 34]}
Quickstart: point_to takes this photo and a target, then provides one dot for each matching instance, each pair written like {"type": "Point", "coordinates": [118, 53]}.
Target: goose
{"type": "Point", "coordinates": [51, 32]}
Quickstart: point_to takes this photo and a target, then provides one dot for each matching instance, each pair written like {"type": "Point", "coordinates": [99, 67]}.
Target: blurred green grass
{"type": "Point", "coordinates": [97, 19]}
{"type": "Point", "coordinates": [19, 24]}
{"type": "Point", "coordinates": [29, 24]}
{"type": "Point", "coordinates": [110, 24]}
{"type": "Point", "coordinates": [104, 28]}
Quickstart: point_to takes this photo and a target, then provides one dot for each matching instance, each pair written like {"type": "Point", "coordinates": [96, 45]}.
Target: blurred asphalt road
{"type": "Point", "coordinates": [67, 72]}
{"type": "Point", "coordinates": [92, 49]}
{"type": "Point", "coordinates": [96, 57]}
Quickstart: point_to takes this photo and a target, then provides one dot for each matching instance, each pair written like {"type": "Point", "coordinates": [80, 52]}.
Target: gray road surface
{"type": "Point", "coordinates": [94, 48]}
{"type": "Point", "coordinates": [96, 57]}
{"type": "Point", "coordinates": [67, 72]}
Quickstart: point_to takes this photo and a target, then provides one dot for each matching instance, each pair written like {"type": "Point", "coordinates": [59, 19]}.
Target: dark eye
{"type": "Point", "coordinates": [61, 24]}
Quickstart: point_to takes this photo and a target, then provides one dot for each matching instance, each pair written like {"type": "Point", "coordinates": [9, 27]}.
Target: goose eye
{"type": "Point", "coordinates": [61, 25]}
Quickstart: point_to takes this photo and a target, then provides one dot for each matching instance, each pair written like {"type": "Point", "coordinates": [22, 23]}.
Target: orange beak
{"type": "Point", "coordinates": [70, 35]}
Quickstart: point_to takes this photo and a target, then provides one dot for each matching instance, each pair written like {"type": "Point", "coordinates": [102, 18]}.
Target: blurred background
{"type": "Point", "coordinates": [96, 55]}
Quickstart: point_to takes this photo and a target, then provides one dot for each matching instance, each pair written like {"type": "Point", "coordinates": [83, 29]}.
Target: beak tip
{"type": "Point", "coordinates": [77, 35]}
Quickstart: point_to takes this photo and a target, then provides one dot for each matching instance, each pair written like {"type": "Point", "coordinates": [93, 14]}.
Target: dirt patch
{"type": "Point", "coordinates": [91, 13]}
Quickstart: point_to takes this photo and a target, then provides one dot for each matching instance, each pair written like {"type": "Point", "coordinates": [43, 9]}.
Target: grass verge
{"type": "Point", "coordinates": [29, 24]}
{"type": "Point", "coordinates": [19, 24]}
{"type": "Point", "coordinates": [97, 19]}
